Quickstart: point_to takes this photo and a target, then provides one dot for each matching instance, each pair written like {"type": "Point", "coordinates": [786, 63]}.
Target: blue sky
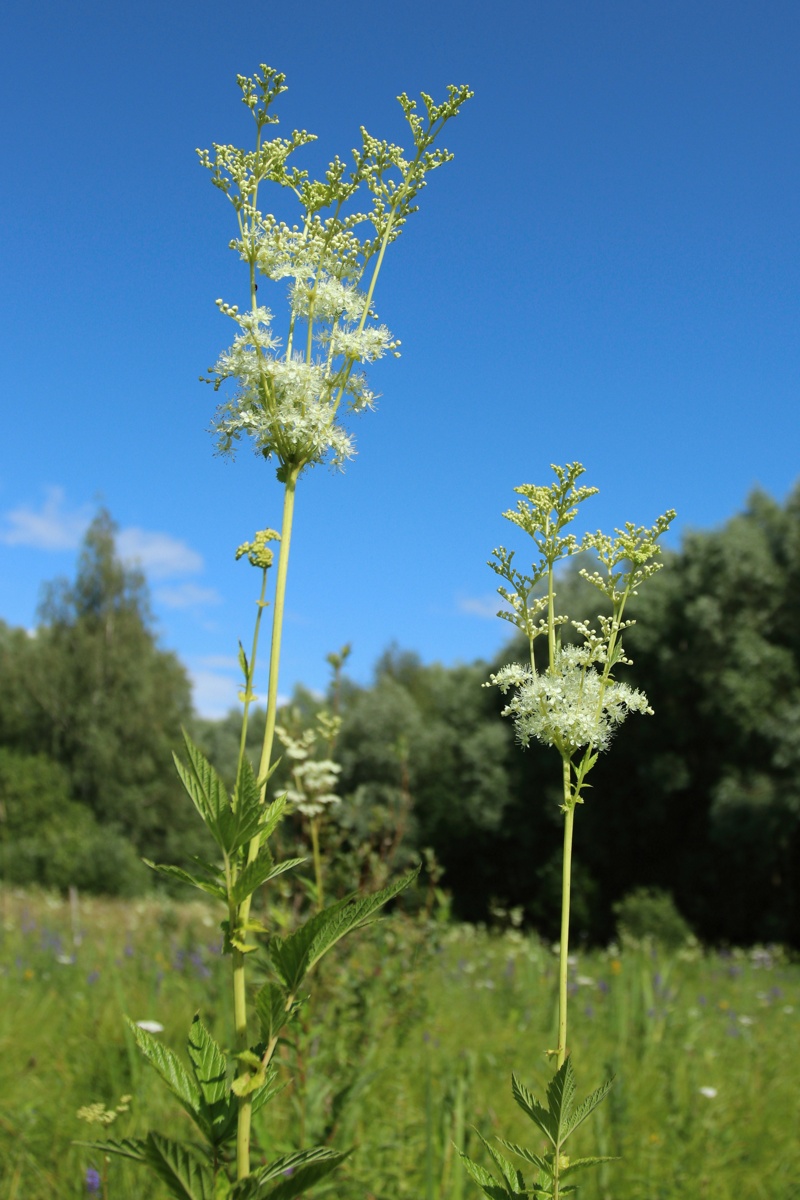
{"type": "Point", "coordinates": [609, 271]}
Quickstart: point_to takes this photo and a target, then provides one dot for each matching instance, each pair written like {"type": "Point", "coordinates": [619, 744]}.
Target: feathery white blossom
{"type": "Point", "coordinates": [569, 707]}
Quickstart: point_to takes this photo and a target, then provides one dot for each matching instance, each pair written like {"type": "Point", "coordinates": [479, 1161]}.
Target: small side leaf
{"type": "Point", "coordinates": [271, 1009]}
{"type": "Point", "coordinates": [294, 956]}
{"type": "Point", "coordinates": [171, 1070]}
{"type": "Point", "coordinates": [537, 1113]}
{"type": "Point", "coordinates": [179, 1168]}
{"type": "Point", "coordinates": [125, 1148]}
{"type": "Point", "coordinates": [210, 1069]}
{"type": "Point", "coordinates": [259, 872]}
{"type": "Point", "coordinates": [213, 889]}
{"type": "Point", "coordinates": [486, 1182]}
{"type": "Point", "coordinates": [589, 1104]}
{"type": "Point", "coordinates": [296, 1173]}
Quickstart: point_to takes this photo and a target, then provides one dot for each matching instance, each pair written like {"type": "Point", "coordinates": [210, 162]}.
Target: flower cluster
{"type": "Point", "coordinates": [572, 706]}
{"type": "Point", "coordinates": [289, 392]}
{"type": "Point", "coordinates": [313, 779]}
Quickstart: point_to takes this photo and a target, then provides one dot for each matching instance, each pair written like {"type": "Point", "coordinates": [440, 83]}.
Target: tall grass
{"type": "Point", "coordinates": [423, 1023]}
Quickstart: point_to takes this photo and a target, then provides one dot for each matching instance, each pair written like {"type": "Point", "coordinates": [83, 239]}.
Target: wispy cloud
{"type": "Point", "coordinates": [160, 555]}
{"type": "Point", "coordinates": [51, 527]}
{"type": "Point", "coordinates": [187, 595]}
{"type": "Point", "coordinates": [56, 526]}
{"type": "Point", "coordinates": [486, 606]}
{"type": "Point", "coordinates": [214, 694]}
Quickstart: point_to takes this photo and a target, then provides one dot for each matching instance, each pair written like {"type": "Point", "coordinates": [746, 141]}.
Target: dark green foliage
{"type": "Point", "coordinates": [702, 799]}
{"type": "Point", "coordinates": [93, 696]}
{"type": "Point", "coordinates": [650, 913]}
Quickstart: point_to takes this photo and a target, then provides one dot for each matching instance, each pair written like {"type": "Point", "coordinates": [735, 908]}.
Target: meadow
{"type": "Point", "coordinates": [424, 1020]}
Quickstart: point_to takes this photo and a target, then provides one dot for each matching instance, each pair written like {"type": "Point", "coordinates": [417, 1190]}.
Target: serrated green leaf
{"type": "Point", "coordinates": [178, 1166]}
{"type": "Point", "coordinates": [210, 1069]}
{"type": "Point", "coordinates": [538, 1161]}
{"type": "Point", "coordinates": [171, 1070]}
{"type": "Point", "coordinates": [204, 885]}
{"type": "Point", "coordinates": [514, 1182]}
{"type": "Point", "coordinates": [124, 1148]}
{"type": "Point", "coordinates": [273, 814]}
{"type": "Point", "coordinates": [537, 1113]}
{"type": "Point", "coordinates": [294, 1173]}
{"type": "Point", "coordinates": [486, 1182]}
{"type": "Point", "coordinates": [578, 1164]}
{"type": "Point", "coordinates": [259, 872]}
{"type": "Point", "coordinates": [271, 1009]}
{"type": "Point", "coordinates": [294, 956]}
{"type": "Point", "coordinates": [268, 1091]}
{"type": "Point", "coordinates": [561, 1097]}
{"type": "Point", "coordinates": [213, 870]}
{"type": "Point", "coordinates": [589, 1104]}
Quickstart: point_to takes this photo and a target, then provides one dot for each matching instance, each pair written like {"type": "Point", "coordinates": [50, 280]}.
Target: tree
{"type": "Point", "coordinates": [95, 693]}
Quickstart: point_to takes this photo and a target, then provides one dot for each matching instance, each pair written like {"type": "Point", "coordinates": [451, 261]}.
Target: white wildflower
{"type": "Point", "coordinates": [571, 707]}
{"type": "Point", "coordinates": [151, 1026]}
{"type": "Point", "coordinates": [710, 1093]}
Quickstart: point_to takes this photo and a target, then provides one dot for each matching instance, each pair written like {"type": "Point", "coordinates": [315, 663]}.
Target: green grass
{"type": "Point", "coordinates": [409, 1040]}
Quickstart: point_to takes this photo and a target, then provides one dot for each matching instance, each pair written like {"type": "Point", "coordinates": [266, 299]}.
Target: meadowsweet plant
{"type": "Point", "coordinates": [287, 389]}
{"type": "Point", "coordinates": [573, 702]}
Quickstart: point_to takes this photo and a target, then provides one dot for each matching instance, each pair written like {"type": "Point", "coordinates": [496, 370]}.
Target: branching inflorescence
{"type": "Point", "coordinates": [575, 703]}
{"type": "Point", "coordinates": [291, 391]}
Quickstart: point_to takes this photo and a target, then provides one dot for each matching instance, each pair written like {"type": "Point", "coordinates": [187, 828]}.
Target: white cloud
{"type": "Point", "coordinates": [480, 606]}
{"type": "Point", "coordinates": [187, 595]}
{"type": "Point", "coordinates": [214, 694]}
{"type": "Point", "coordinates": [160, 555]}
{"type": "Point", "coordinates": [51, 528]}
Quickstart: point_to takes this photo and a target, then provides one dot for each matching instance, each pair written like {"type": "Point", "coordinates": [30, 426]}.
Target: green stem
{"type": "Point", "coordinates": [243, 914]}
{"type": "Point", "coordinates": [317, 862]}
{"type": "Point", "coordinates": [566, 879]}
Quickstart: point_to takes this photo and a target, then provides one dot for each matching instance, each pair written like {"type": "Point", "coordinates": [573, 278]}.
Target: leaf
{"type": "Point", "coordinates": [561, 1098]}
{"type": "Point", "coordinates": [543, 1164]}
{"type": "Point", "coordinates": [203, 784]}
{"type": "Point", "coordinates": [177, 1165]}
{"type": "Point", "coordinates": [271, 1009]}
{"type": "Point", "coordinates": [171, 1071]}
{"type": "Point", "coordinates": [295, 1173]}
{"type": "Point", "coordinates": [126, 1148]}
{"type": "Point", "coordinates": [486, 1182]}
{"type": "Point", "coordinates": [210, 1068]}
{"type": "Point", "coordinates": [268, 1091]}
{"type": "Point", "coordinates": [294, 956]}
{"type": "Point", "coordinates": [515, 1183]}
{"type": "Point", "coordinates": [213, 889]}
{"type": "Point", "coordinates": [589, 1104]}
{"type": "Point", "coordinates": [578, 1164]}
{"type": "Point", "coordinates": [537, 1113]}
{"type": "Point", "coordinates": [259, 872]}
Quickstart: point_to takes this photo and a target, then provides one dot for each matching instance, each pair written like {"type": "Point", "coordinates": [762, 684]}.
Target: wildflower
{"type": "Point", "coordinates": [570, 706]}
{"type": "Point", "coordinates": [710, 1093]}
{"type": "Point", "coordinates": [151, 1026]}
{"type": "Point", "coordinates": [92, 1180]}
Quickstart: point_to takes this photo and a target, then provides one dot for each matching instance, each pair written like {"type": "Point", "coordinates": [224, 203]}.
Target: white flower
{"type": "Point", "coordinates": [151, 1026]}
{"type": "Point", "coordinates": [709, 1092]}
{"type": "Point", "coordinates": [571, 707]}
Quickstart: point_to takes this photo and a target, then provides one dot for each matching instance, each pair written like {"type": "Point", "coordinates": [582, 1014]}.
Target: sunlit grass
{"type": "Point", "coordinates": [423, 1027]}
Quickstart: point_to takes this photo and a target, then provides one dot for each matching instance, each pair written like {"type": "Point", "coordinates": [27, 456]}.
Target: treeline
{"type": "Point", "coordinates": [701, 800]}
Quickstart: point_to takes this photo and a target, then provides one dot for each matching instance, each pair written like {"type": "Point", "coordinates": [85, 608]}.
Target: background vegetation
{"type": "Point", "coordinates": [423, 1022]}
{"type": "Point", "coordinates": [701, 802]}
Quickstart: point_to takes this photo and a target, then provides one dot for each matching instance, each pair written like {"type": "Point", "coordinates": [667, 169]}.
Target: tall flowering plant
{"type": "Point", "coordinates": [573, 702]}
{"type": "Point", "coordinates": [291, 390]}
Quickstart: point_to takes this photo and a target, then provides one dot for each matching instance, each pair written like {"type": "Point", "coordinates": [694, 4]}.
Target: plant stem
{"type": "Point", "coordinates": [243, 914]}
{"type": "Point", "coordinates": [566, 879]}
{"type": "Point", "coordinates": [314, 822]}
